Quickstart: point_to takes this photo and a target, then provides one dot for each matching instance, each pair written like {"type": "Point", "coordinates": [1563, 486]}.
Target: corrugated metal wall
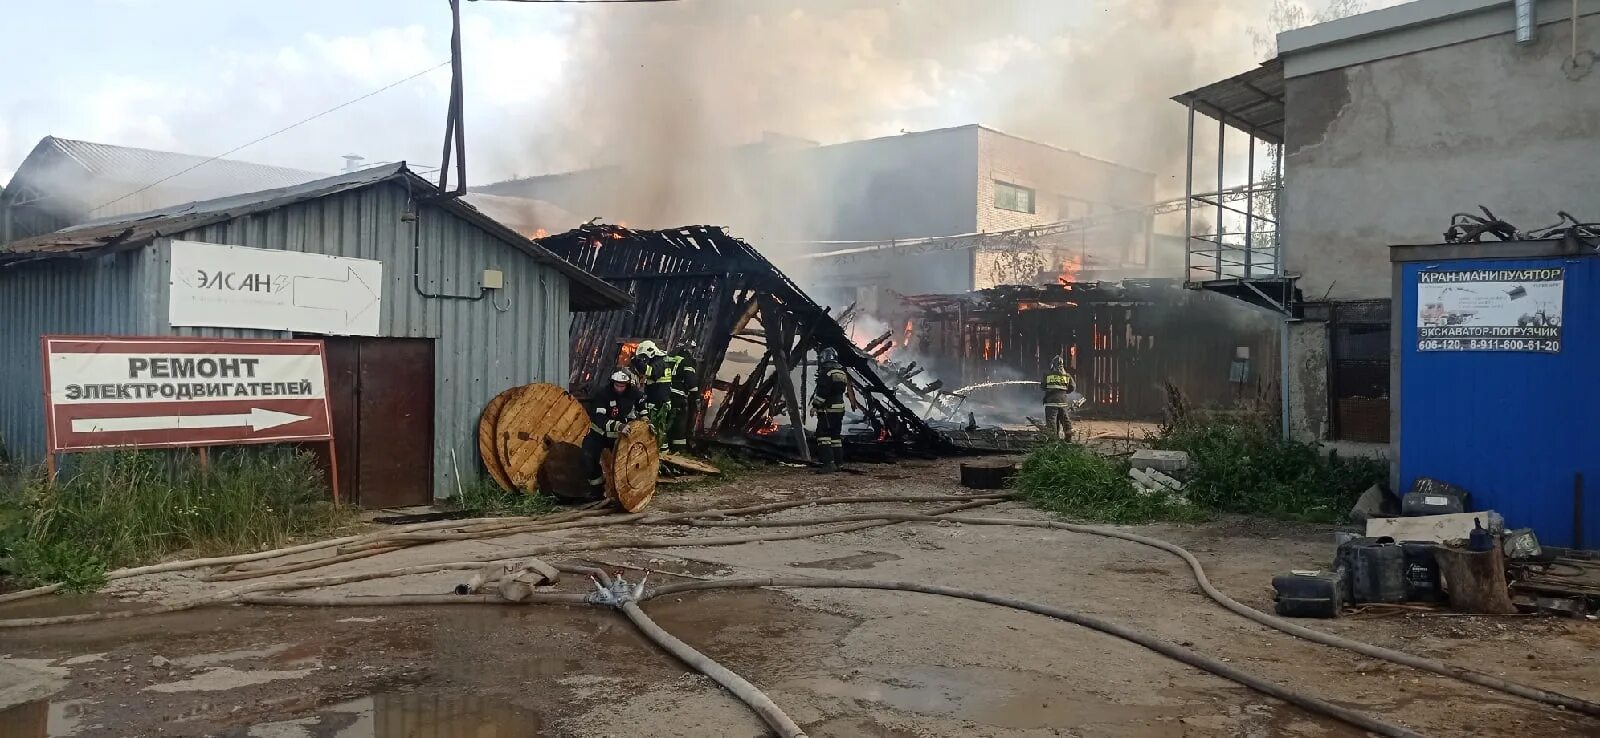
{"type": "Point", "coordinates": [517, 335]}
{"type": "Point", "coordinates": [81, 296]}
{"type": "Point", "coordinates": [1513, 428]}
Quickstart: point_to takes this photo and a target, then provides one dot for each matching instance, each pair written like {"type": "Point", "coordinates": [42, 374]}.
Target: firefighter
{"type": "Point", "coordinates": [682, 370]}
{"type": "Point", "coordinates": [828, 405]}
{"type": "Point", "coordinates": [609, 409]}
{"type": "Point", "coordinates": [650, 365]}
{"type": "Point", "coordinates": [1057, 385]}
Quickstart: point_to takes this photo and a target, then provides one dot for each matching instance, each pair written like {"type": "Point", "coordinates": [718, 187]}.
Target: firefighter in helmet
{"type": "Point", "coordinates": [1057, 386]}
{"type": "Point", "coordinates": [610, 408]}
{"type": "Point", "coordinates": [649, 364]}
{"type": "Point", "coordinates": [829, 405]}
{"type": "Point", "coordinates": [684, 381]}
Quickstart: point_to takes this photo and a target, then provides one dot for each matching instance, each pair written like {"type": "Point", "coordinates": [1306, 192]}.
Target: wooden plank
{"type": "Point", "coordinates": [1436, 528]}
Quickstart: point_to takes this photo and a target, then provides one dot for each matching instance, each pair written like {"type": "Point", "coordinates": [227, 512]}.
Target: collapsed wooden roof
{"type": "Point", "coordinates": [699, 283]}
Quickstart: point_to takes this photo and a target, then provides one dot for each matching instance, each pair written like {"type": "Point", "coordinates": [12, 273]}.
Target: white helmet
{"type": "Point", "coordinates": [649, 350]}
{"type": "Point", "coordinates": [622, 375]}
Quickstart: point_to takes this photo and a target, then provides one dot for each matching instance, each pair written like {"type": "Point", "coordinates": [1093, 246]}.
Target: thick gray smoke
{"type": "Point", "coordinates": [660, 86]}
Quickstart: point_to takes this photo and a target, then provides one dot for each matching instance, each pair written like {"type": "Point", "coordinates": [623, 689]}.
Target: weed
{"type": "Point", "coordinates": [1241, 463]}
{"type": "Point", "coordinates": [1242, 468]}
{"type": "Point", "coordinates": [485, 497]}
{"type": "Point", "coordinates": [731, 466]}
{"type": "Point", "coordinates": [1076, 482]}
{"type": "Point", "coordinates": [122, 508]}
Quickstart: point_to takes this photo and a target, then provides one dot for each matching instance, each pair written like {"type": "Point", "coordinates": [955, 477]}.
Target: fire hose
{"type": "Point", "coordinates": [254, 594]}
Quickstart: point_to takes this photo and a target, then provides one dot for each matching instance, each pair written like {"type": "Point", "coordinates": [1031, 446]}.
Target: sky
{"type": "Point", "coordinates": [559, 87]}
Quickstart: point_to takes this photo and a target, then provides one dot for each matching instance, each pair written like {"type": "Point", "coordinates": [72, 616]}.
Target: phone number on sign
{"type": "Point", "coordinates": [1490, 344]}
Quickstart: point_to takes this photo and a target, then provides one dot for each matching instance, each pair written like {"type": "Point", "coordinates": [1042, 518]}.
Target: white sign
{"type": "Point", "coordinates": [95, 378]}
{"type": "Point", "coordinates": [1490, 310]}
{"type": "Point", "coordinates": [237, 287]}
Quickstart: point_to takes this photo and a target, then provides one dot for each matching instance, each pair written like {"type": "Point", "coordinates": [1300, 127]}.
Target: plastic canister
{"type": "Point", "coordinates": [1422, 572]}
{"type": "Point", "coordinates": [1308, 594]}
{"type": "Point", "coordinates": [1379, 574]}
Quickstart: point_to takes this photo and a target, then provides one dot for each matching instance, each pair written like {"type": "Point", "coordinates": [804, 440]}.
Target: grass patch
{"type": "Point", "coordinates": [1240, 467]}
{"type": "Point", "coordinates": [1240, 463]}
{"type": "Point", "coordinates": [126, 508]}
{"type": "Point", "coordinates": [1078, 483]}
{"type": "Point", "coordinates": [731, 466]}
{"type": "Point", "coordinates": [484, 496]}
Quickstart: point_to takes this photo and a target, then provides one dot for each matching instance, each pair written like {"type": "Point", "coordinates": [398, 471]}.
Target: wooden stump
{"type": "Point", "coordinates": [1475, 581]}
{"type": "Point", "coordinates": [563, 473]}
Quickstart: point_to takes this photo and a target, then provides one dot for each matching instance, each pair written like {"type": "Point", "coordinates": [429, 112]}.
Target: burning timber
{"type": "Point", "coordinates": [1123, 341]}
{"type": "Point", "coordinates": [756, 329]}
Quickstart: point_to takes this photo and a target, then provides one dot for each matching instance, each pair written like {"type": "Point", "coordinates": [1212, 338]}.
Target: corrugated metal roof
{"type": "Point", "coordinates": [138, 167]}
{"type": "Point", "coordinates": [588, 293]}
{"type": "Point", "coordinates": [1251, 102]}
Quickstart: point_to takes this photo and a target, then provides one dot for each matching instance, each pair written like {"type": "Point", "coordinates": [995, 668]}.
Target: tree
{"type": "Point", "coordinates": [1287, 15]}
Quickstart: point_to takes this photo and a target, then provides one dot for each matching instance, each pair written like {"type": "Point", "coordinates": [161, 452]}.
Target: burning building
{"type": "Point", "coordinates": [1123, 341]}
{"type": "Point", "coordinates": [756, 330]}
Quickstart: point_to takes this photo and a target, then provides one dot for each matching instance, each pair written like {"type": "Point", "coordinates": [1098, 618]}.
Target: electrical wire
{"type": "Point", "coordinates": [284, 129]}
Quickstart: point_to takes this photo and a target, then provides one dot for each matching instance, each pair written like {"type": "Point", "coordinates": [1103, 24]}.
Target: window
{"type": "Point", "coordinates": [1011, 197]}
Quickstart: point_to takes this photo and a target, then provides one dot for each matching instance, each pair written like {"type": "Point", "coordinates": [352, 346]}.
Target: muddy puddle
{"type": "Point", "coordinates": [406, 715]}
{"type": "Point", "coordinates": [994, 697]}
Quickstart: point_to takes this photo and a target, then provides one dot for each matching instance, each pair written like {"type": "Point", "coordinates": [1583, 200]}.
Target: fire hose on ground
{"type": "Point", "coordinates": [255, 594]}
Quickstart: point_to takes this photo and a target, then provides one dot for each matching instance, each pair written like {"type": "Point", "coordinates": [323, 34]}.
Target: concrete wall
{"type": "Point", "coordinates": [1308, 380]}
{"type": "Point", "coordinates": [1066, 185]}
{"type": "Point", "coordinates": [1385, 152]}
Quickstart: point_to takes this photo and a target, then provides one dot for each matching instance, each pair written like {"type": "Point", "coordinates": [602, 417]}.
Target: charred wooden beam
{"type": "Point", "coordinates": [783, 373]}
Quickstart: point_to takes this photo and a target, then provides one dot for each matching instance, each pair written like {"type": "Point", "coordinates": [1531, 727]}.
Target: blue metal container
{"type": "Point", "coordinates": [1501, 405]}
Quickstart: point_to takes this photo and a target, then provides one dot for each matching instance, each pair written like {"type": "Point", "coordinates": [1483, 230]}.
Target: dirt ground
{"type": "Point", "coordinates": [844, 663]}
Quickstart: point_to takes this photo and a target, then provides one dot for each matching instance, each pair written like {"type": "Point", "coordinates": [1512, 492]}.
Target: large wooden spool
{"type": "Point", "coordinates": [488, 448]}
{"type": "Point", "coordinates": [635, 465]}
{"type": "Point", "coordinates": [534, 419]}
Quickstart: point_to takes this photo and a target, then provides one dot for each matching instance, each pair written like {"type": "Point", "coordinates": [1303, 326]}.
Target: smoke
{"type": "Point", "coordinates": [660, 86]}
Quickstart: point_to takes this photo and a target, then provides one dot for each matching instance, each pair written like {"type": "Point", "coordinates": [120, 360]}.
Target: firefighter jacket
{"type": "Point", "coordinates": [609, 409]}
{"type": "Point", "coordinates": [832, 383]}
{"type": "Point", "coordinates": [653, 375]}
{"type": "Point", "coordinates": [682, 376]}
{"type": "Point", "coordinates": [1056, 386]}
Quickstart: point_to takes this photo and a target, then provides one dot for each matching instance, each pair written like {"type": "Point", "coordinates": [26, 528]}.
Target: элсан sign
{"type": "Point", "coordinates": [171, 392]}
{"type": "Point", "coordinates": [237, 287]}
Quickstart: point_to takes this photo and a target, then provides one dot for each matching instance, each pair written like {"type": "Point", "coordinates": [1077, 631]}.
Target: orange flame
{"type": "Point", "coordinates": [767, 428]}
{"type": "Point", "coordinates": [1070, 269]}
{"type": "Point", "coordinates": [626, 355]}
{"type": "Point", "coordinates": [991, 348]}
{"type": "Point", "coordinates": [540, 233]}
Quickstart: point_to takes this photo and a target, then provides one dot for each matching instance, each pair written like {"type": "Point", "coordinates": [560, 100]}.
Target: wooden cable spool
{"type": "Point", "coordinates": [634, 466]}
{"type": "Point", "coordinates": [488, 449]}
{"type": "Point", "coordinates": [539, 415]}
